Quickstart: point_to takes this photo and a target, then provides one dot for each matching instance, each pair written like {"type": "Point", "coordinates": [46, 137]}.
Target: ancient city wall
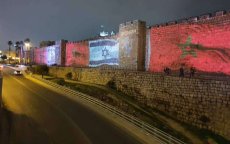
{"type": "Point", "coordinates": [132, 43]}
{"type": "Point", "coordinates": [104, 51]}
{"type": "Point", "coordinates": [77, 54]}
{"type": "Point", "coordinates": [200, 42]}
{"type": "Point", "coordinates": [51, 55]}
{"type": "Point", "coordinates": [200, 102]}
{"type": "Point", "coordinates": [38, 55]}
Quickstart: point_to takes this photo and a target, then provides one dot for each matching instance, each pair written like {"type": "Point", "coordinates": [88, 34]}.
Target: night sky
{"type": "Point", "coordinates": [79, 19]}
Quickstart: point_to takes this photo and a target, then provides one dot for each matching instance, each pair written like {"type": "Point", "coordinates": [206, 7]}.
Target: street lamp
{"type": "Point", "coordinates": [27, 45]}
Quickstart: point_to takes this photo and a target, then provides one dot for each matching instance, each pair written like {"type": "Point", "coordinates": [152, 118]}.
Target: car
{"type": "Point", "coordinates": [17, 72]}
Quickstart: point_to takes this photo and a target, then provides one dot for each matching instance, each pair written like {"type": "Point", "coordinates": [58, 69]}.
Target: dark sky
{"type": "Point", "coordinates": [79, 19]}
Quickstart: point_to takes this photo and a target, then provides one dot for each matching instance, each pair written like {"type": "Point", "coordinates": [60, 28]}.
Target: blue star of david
{"type": "Point", "coordinates": [105, 52]}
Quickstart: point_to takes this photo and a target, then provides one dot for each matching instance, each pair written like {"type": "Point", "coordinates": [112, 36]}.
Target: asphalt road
{"type": "Point", "coordinates": [39, 115]}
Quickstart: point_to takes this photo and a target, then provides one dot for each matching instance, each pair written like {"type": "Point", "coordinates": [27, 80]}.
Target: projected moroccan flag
{"type": "Point", "coordinates": [205, 46]}
{"type": "Point", "coordinates": [77, 54]}
{"type": "Point", "coordinates": [104, 51]}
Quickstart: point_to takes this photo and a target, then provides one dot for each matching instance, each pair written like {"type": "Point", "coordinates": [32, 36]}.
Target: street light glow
{"type": "Point", "coordinates": [27, 44]}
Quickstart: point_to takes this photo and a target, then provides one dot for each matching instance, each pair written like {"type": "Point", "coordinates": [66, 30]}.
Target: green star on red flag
{"type": "Point", "coordinates": [183, 48]}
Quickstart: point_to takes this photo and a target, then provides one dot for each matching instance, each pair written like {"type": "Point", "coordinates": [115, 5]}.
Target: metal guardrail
{"type": "Point", "coordinates": [158, 134]}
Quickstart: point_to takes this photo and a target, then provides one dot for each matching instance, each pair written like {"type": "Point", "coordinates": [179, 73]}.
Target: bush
{"type": "Point", "coordinates": [111, 84]}
{"type": "Point", "coordinates": [204, 119]}
{"type": "Point", "coordinates": [59, 81]}
{"type": "Point", "coordinates": [69, 75]}
{"type": "Point", "coordinates": [41, 69]}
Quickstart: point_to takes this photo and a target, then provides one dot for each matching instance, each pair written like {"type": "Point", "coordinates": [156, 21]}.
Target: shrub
{"type": "Point", "coordinates": [204, 119]}
{"type": "Point", "coordinates": [111, 84]}
{"type": "Point", "coordinates": [41, 69]}
{"type": "Point", "coordinates": [69, 75]}
{"type": "Point", "coordinates": [59, 81]}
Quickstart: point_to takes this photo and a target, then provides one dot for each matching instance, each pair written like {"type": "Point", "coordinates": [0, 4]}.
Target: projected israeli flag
{"type": "Point", "coordinates": [52, 55]}
{"type": "Point", "coordinates": [104, 51]}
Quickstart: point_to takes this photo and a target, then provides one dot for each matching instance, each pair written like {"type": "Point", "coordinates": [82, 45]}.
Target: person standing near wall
{"type": "Point", "coordinates": [181, 72]}
{"type": "Point", "coordinates": [192, 72]}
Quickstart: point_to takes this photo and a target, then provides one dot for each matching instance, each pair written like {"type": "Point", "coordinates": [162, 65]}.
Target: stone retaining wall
{"type": "Point", "coordinates": [200, 102]}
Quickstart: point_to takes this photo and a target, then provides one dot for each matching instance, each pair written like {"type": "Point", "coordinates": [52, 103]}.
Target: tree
{"type": "Point", "coordinates": [46, 43]}
{"type": "Point", "coordinates": [3, 57]}
{"type": "Point", "coordinates": [21, 43]}
{"type": "Point", "coordinates": [10, 43]}
{"type": "Point", "coordinates": [27, 40]}
{"type": "Point", "coordinates": [42, 70]}
{"type": "Point", "coordinates": [21, 51]}
{"type": "Point", "coordinates": [17, 48]}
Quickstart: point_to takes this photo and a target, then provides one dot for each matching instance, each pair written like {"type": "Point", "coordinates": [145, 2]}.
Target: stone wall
{"type": "Point", "coordinates": [51, 55]}
{"type": "Point", "coordinates": [77, 54]}
{"type": "Point", "coordinates": [132, 41]}
{"type": "Point", "coordinates": [200, 42]}
{"type": "Point", "coordinates": [200, 102]}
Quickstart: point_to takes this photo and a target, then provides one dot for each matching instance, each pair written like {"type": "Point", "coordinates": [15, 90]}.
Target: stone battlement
{"type": "Point", "coordinates": [94, 38]}
{"type": "Point", "coordinates": [130, 23]}
{"type": "Point", "coordinates": [194, 19]}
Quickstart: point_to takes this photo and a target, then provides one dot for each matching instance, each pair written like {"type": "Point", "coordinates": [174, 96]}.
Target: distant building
{"type": "Point", "coordinates": [12, 56]}
{"type": "Point", "coordinates": [6, 52]}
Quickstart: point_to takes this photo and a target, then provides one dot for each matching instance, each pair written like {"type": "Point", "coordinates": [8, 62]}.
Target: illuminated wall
{"type": "Point", "coordinates": [39, 56]}
{"type": "Point", "coordinates": [103, 52]}
{"type": "Point", "coordinates": [77, 54]}
{"type": "Point", "coordinates": [50, 55]}
{"type": "Point", "coordinates": [132, 40]}
{"type": "Point", "coordinates": [147, 49]}
{"type": "Point", "coordinates": [203, 44]}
